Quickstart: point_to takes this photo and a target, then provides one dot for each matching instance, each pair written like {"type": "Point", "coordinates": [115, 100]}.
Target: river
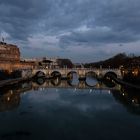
{"type": "Point", "coordinates": [44, 110]}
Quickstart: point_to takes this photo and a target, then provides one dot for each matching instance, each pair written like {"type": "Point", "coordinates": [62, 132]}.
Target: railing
{"type": "Point", "coordinates": [93, 69]}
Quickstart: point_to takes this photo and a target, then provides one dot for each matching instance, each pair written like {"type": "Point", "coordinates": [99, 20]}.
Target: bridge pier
{"type": "Point", "coordinates": [82, 78]}
{"type": "Point", "coordinates": [82, 84]}
{"type": "Point", "coordinates": [64, 77]}
{"type": "Point", "coordinates": [82, 74]}
{"type": "Point", "coordinates": [26, 73]}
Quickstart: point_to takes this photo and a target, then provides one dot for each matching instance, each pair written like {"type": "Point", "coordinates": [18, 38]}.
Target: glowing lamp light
{"type": "Point", "coordinates": [8, 98]}
{"type": "Point", "coordinates": [135, 72]}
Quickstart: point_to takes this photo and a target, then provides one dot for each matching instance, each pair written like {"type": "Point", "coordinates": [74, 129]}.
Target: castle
{"type": "Point", "coordinates": [10, 58]}
{"type": "Point", "coordinates": [9, 53]}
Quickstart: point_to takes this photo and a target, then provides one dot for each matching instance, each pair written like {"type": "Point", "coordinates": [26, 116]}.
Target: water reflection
{"type": "Point", "coordinates": [91, 79]}
{"type": "Point", "coordinates": [56, 81]}
{"type": "Point", "coordinates": [91, 82]}
{"type": "Point", "coordinates": [130, 98]}
{"type": "Point", "coordinates": [53, 109]}
{"type": "Point", "coordinates": [109, 82]}
{"type": "Point", "coordinates": [10, 97]}
{"type": "Point", "coordinates": [70, 83]}
{"type": "Point", "coordinates": [40, 81]}
{"type": "Point", "coordinates": [9, 100]}
{"type": "Point", "coordinates": [73, 79]}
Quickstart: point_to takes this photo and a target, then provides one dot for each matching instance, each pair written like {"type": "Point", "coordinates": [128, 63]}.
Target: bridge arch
{"type": "Point", "coordinates": [110, 74]}
{"type": "Point", "coordinates": [109, 79]}
{"type": "Point", "coordinates": [55, 74]}
{"type": "Point", "coordinates": [91, 73]}
{"type": "Point", "coordinates": [70, 74]}
{"type": "Point", "coordinates": [81, 73]}
{"type": "Point", "coordinates": [40, 74]}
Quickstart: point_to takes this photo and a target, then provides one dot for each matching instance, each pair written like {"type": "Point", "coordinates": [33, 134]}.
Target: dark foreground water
{"type": "Point", "coordinates": [41, 112]}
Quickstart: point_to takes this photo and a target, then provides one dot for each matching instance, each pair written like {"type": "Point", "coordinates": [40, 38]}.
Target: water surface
{"type": "Point", "coordinates": [33, 111]}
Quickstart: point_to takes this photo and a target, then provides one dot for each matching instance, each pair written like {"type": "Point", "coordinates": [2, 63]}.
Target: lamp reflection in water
{"type": "Point", "coordinates": [129, 98]}
{"type": "Point", "coordinates": [9, 100]}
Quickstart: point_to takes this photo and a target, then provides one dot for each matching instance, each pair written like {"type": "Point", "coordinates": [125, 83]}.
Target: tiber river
{"type": "Point", "coordinates": [44, 110]}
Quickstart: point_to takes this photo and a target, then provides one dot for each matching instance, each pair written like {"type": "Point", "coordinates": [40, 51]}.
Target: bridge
{"type": "Point", "coordinates": [81, 72]}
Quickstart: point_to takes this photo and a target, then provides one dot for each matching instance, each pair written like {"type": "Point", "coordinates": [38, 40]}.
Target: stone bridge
{"type": "Point", "coordinates": [81, 72]}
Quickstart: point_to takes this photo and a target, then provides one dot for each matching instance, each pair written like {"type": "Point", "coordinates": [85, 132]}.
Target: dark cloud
{"type": "Point", "coordinates": [73, 22]}
{"type": "Point", "coordinates": [100, 36]}
{"type": "Point", "coordinates": [114, 21]}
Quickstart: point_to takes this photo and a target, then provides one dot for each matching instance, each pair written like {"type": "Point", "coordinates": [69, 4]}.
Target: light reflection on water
{"type": "Point", "coordinates": [29, 112]}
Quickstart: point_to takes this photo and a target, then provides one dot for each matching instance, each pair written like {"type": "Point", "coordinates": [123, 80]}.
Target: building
{"type": "Point", "coordinates": [44, 62]}
{"type": "Point", "coordinates": [64, 63]}
{"type": "Point", "coordinates": [9, 52]}
{"type": "Point", "coordinates": [50, 62]}
{"type": "Point", "coordinates": [10, 60]}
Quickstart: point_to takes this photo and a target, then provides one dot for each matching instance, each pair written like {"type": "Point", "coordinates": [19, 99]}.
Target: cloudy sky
{"type": "Point", "coordinates": [82, 30]}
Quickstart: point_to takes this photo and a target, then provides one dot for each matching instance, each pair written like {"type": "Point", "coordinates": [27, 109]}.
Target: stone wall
{"type": "Point", "coordinates": [11, 66]}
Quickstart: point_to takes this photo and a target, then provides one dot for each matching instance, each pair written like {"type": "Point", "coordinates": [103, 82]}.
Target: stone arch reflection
{"type": "Point", "coordinates": [40, 81]}
{"type": "Point", "coordinates": [56, 81]}
{"type": "Point", "coordinates": [69, 82]}
{"type": "Point", "coordinates": [91, 79]}
{"type": "Point", "coordinates": [73, 78]}
{"type": "Point", "coordinates": [109, 82]}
